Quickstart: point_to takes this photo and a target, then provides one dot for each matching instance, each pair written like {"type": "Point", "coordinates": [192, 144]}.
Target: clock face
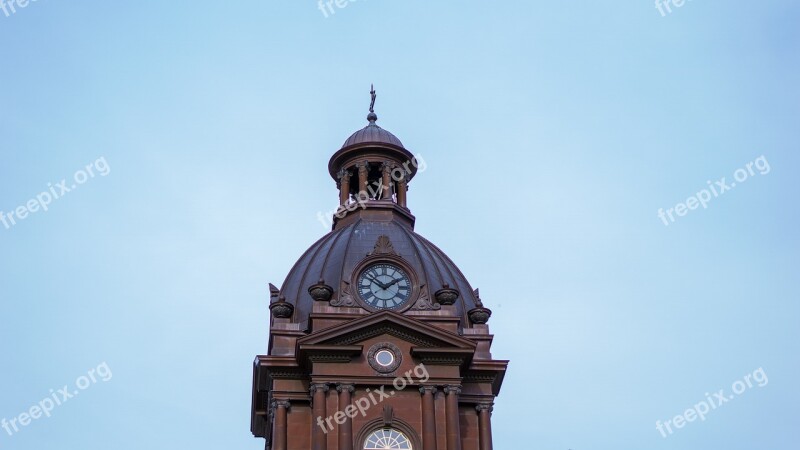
{"type": "Point", "coordinates": [384, 286]}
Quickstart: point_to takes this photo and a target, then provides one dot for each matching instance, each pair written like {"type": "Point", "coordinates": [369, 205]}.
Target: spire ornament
{"type": "Point", "coordinates": [372, 117]}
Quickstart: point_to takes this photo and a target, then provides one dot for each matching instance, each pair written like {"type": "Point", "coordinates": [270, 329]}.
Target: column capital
{"type": "Point", "coordinates": [484, 407]}
{"type": "Point", "coordinates": [450, 389]}
{"type": "Point", "coordinates": [428, 389]}
{"type": "Point", "coordinates": [285, 404]}
{"type": "Point", "coordinates": [318, 387]}
{"type": "Point", "coordinates": [341, 387]}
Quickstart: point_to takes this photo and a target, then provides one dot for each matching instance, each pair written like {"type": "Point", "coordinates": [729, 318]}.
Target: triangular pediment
{"type": "Point", "coordinates": [418, 333]}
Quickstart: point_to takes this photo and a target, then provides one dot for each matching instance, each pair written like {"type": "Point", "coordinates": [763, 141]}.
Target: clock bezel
{"type": "Point", "coordinates": [396, 261]}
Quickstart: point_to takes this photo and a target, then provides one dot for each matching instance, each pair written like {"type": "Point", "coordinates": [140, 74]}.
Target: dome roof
{"type": "Point", "coordinates": [336, 255]}
{"type": "Point", "coordinates": [372, 134]}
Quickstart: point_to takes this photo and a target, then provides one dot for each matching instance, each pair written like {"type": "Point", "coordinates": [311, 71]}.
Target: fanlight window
{"type": "Point", "coordinates": [387, 439]}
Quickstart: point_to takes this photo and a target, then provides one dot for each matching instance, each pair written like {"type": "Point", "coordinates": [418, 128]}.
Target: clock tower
{"type": "Point", "coordinates": [377, 340]}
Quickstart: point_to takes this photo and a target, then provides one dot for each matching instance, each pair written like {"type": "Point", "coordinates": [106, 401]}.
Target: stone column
{"type": "Point", "coordinates": [485, 425]}
{"type": "Point", "coordinates": [318, 436]}
{"type": "Point", "coordinates": [428, 418]}
{"type": "Point", "coordinates": [345, 429]}
{"type": "Point", "coordinates": [402, 187]}
{"type": "Point", "coordinates": [344, 186]}
{"type": "Point", "coordinates": [363, 170]}
{"type": "Point", "coordinates": [453, 425]}
{"type": "Point", "coordinates": [386, 191]}
{"type": "Point", "coordinates": [279, 439]}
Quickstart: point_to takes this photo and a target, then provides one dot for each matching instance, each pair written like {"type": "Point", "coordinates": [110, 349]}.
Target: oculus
{"type": "Point", "coordinates": [384, 357]}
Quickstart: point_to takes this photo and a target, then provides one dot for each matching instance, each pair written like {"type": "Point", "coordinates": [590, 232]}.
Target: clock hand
{"type": "Point", "coordinates": [393, 282]}
{"type": "Point", "coordinates": [383, 286]}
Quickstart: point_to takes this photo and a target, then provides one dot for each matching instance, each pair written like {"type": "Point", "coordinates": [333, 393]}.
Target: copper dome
{"type": "Point", "coordinates": [372, 134]}
{"type": "Point", "coordinates": [335, 256]}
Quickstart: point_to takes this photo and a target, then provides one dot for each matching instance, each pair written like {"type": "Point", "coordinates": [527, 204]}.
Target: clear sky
{"type": "Point", "coordinates": [553, 133]}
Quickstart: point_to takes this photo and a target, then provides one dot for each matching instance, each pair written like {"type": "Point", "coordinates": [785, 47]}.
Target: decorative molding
{"type": "Point", "coordinates": [424, 301]}
{"type": "Point", "coordinates": [373, 331]}
{"type": "Point", "coordinates": [388, 415]}
{"type": "Point", "coordinates": [289, 374]}
{"type": "Point", "coordinates": [330, 358]}
{"type": "Point", "coordinates": [446, 295]}
{"type": "Point", "coordinates": [320, 291]}
{"type": "Point", "coordinates": [479, 315]}
{"type": "Point", "coordinates": [383, 246]}
{"type": "Point", "coordinates": [345, 297]}
{"type": "Point", "coordinates": [475, 378]}
{"type": "Point", "coordinates": [328, 353]}
{"type": "Point", "coordinates": [443, 360]}
{"type": "Point", "coordinates": [273, 292]}
{"type": "Point", "coordinates": [281, 309]}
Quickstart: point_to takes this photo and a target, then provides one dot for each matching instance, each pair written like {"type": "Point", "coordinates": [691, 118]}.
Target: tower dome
{"type": "Point", "coordinates": [372, 134]}
{"type": "Point", "coordinates": [335, 260]}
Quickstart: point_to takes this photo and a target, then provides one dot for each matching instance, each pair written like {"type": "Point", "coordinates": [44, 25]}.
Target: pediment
{"type": "Point", "coordinates": [416, 332]}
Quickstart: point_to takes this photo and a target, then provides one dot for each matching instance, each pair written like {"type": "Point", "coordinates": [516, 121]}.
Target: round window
{"type": "Point", "coordinates": [384, 358]}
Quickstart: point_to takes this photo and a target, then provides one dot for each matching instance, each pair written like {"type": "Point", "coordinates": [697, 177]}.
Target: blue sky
{"type": "Point", "coordinates": [553, 132]}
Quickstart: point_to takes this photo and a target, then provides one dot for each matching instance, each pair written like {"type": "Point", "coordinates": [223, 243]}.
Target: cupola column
{"type": "Point", "coordinates": [318, 436]}
{"type": "Point", "coordinates": [363, 170]}
{"type": "Point", "coordinates": [386, 189]}
{"type": "Point", "coordinates": [402, 187]}
{"type": "Point", "coordinates": [485, 425]}
{"type": "Point", "coordinates": [453, 426]}
{"type": "Point", "coordinates": [344, 186]}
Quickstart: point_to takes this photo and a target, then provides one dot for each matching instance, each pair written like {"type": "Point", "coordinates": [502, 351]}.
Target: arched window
{"type": "Point", "coordinates": [387, 438]}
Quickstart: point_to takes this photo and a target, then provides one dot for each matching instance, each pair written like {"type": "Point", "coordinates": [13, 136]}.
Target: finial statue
{"type": "Point", "coordinates": [372, 117]}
